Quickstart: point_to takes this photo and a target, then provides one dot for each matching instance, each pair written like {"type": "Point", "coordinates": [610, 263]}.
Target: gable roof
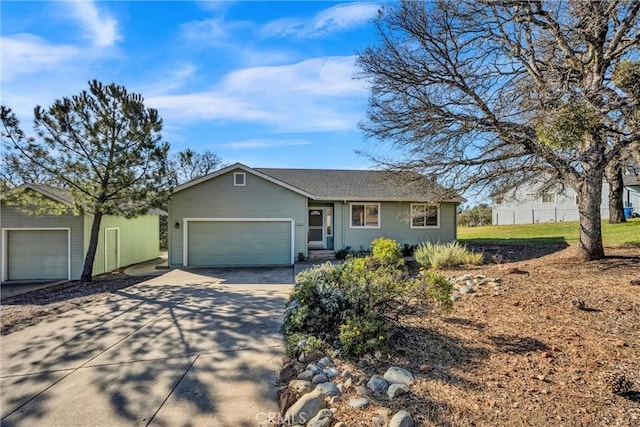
{"type": "Point", "coordinates": [351, 185]}
{"type": "Point", "coordinates": [64, 196]}
{"type": "Point", "coordinates": [60, 195]}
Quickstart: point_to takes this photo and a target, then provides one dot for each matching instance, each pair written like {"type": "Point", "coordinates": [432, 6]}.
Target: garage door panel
{"type": "Point", "coordinates": [37, 254]}
{"type": "Point", "coordinates": [239, 243]}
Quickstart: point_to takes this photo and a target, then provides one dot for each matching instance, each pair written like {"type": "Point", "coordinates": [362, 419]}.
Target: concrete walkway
{"type": "Point", "coordinates": [188, 348]}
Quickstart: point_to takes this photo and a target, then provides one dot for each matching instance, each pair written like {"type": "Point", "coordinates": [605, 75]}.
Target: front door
{"type": "Point", "coordinates": [316, 228]}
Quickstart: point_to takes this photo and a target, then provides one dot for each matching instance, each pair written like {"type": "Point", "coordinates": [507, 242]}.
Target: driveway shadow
{"type": "Point", "coordinates": [184, 346]}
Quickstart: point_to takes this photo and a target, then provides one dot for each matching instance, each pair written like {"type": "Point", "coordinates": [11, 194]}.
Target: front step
{"type": "Point", "coordinates": [321, 254]}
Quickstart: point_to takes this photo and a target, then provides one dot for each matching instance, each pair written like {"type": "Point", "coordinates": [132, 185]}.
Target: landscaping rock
{"type": "Point", "coordinates": [305, 375]}
{"type": "Point", "coordinates": [362, 390]}
{"type": "Point", "coordinates": [322, 419]}
{"type": "Point", "coordinates": [377, 422]}
{"type": "Point", "coordinates": [287, 372]}
{"type": "Point", "coordinates": [358, 403]}
{"type": "Point", "coordinates": [327, 389]}
{"type": "Point", "coordinates": [348, 384]}
{"type": "Point", "coordinates": [319, 379]}
{"type": "Point", "coordinates": [377, 384]}
{"type": "Point", "coordinates": [314, 368]}
{"type": "Point", "coordinates": [312, 356]}
{"type": "Point", "coordinates": [396, 390]}
{"type": "Point", "coordinates": [331, 372]}
{"type": "Point", "coordinates": [335, 399]}
{"type": "Point", "coordinates": [305, 408]}
{"type": "Point", "coordinates": [402, 419]}
{"type": "Point", "coordinates": [301, 387]}
{"type": "Point", "coordinates": [345, 374]}
{"type": "Point", "coordinates": [324, 362]}
{"type": "Point", "coordinates": [286, 398]}
{"type": "Point", "coordinates": [397, 375]}
{"type": "Point", "coordinates": [340, 424]}
{"type": "Point", "coordinates": [466, 290]}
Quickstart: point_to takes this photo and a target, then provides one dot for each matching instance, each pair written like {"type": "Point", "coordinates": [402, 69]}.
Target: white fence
{"type": "Point", "coordinates": [536, 216]}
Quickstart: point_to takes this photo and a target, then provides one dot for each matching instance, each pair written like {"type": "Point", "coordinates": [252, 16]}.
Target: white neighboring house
{"type": "Point", "coordinates": [528, 206]}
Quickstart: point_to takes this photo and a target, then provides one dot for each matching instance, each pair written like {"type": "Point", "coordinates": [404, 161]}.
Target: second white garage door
{"type": "Point", "coordinates": [37, 254]}
{"type": "Point", "coordinates": [241, 243]}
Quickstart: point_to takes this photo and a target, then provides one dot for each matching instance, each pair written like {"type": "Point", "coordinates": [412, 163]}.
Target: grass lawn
{"type": "Point", "coordinates": [612, 234]}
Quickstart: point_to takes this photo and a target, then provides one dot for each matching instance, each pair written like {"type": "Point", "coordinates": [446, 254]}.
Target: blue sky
{"type": "Point", "coordinates": [267, 84]}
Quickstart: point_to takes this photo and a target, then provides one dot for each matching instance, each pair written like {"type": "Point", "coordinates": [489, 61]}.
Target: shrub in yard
{"type": "Point", "coordinates": [387, 251]}
{"type": "Point", "coordinates": [442, 255]}
{"type": "Point", "coordinates": [363, 335]}
{"type": "Point", "coordinates": [350, 305]}
{"type": "Point", "coordinates": [297, 343]}
{"type": "Point", "coordinates": [316, 303]}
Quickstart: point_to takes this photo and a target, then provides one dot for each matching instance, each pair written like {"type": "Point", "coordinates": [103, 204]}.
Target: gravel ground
{"type": "Point", "coordinates": [525, 355]}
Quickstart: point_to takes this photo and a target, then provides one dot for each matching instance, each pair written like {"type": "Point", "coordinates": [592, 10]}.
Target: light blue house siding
{"type": "Point", "coordinates": [394, 224]}
{"type": "Point", "coordinates": [527, 207]}
{"type": "Point", "coordinates": [220, 199]}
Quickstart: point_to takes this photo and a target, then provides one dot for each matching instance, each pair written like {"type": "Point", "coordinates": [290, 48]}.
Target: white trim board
{"type": "Point", "coordinates": [5, 271]}
{"type": "Point", "coordinates": [185, 232]}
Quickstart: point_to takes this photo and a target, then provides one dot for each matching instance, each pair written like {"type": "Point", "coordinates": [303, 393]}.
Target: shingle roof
{"type": "Point", "coordinates": [59, 194]}
{"type": "Point", "coordinates": [63, 195]}
{"type": "Point", "coordinates": [630, 179]}
{"type": "Point", "coordinates": [335, 184]}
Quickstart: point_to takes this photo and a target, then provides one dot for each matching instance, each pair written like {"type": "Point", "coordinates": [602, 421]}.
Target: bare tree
{"type": "Point", "coordinates": [188, 164]}
{"type": "Point", "coordinates": [495, 94]}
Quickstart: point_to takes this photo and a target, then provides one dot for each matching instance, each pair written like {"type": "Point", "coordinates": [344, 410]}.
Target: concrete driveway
{"type": "Point", "coordinates": [188, 348]}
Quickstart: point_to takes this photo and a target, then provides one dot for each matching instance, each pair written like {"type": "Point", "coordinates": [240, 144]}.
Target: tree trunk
{"type": "Point", "coordinates": [87, 270]}
{"type": "Point", "coordinates": [616, 193]}
{"type": "Point", "coordinates": [590, 199]}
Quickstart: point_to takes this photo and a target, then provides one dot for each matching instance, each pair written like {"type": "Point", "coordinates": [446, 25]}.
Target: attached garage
{"type": "Point", "coordinates": [238, 242]}
{"type": "Point", "coordinates": [37, 254]}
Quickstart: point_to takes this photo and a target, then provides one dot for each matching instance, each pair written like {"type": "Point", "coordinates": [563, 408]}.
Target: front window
{"type": "Point", "coordinates": [365, 215]}
{"type": "Point", "coordinates": [549, 198]}
{"type": "Point", "coordinates": [424, 215]}
{"type": "Point", "coordinates": [329, 214]}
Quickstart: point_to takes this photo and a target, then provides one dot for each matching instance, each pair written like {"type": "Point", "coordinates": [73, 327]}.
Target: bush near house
{"type": "Point", "coordinates": [352, 306]}
{"type": "Point", "coordinates": [443, 255]}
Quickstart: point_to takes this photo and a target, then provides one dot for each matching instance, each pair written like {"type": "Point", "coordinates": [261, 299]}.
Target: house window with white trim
{"type": "Point", "coordinates": [239, 179]}
{"type": "Point", "coordinates": [424, 215]}
{"type": "Point", "coordinates": [365, 215]}
{"type": "Point", "coordinates": [548, 197]}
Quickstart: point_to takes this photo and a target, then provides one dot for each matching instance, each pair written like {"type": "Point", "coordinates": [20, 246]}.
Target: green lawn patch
{"type": "Point", "coordinates": [626, 234]}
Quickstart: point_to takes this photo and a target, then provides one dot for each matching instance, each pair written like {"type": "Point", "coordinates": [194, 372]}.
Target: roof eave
{"type": "Point", "coordinates": [246, 169]}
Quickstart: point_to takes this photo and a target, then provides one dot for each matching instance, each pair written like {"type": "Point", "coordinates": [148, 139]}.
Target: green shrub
{"type": "Point", "coordinates": [387, 251]}
{"type": "Point", "coordinates": [435, 289]}
{"type": "Point", "coordinates": [350, 305]}
{"type": "Point", "coordinates": [297, 343]}
{"type": "Point", "coordinates": [442, 255]}
{"type": "Point", "coordinates": [363, 335]}
{"type": "Point", "coordinates": [342, 254]}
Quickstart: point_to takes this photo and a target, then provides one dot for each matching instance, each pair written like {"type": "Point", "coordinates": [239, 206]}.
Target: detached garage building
{"type": "Point", "coordinates": [49, 246]}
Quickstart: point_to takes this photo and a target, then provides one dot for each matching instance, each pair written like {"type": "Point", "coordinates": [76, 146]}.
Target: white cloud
{"type": "Point", "coordinates": [317, 94]}
{"type": "Point", "coordinates": [99, 26]}
{"type": "Point", "coordinates": [334, 19]}
{"type": "Point", "coordinates": [27, 54]}
{"type": "Point", "coordinates": [267, 143]}
{"type": "Point", "coordinates": [213, 31]}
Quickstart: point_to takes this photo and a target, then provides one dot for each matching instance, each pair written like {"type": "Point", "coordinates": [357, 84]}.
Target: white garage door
{"type": "Point", "coordinates": [220, 243]}
{"type": "Point", "coordinates": [37, 254]}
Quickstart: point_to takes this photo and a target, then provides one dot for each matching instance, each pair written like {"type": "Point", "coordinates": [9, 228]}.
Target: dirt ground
{"type": "Point", "coordinates": [525, 354]}
{"type": "Point", "coordinates": [522, 355]}
{"type": "Point", "coordinates": [28, 309]}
